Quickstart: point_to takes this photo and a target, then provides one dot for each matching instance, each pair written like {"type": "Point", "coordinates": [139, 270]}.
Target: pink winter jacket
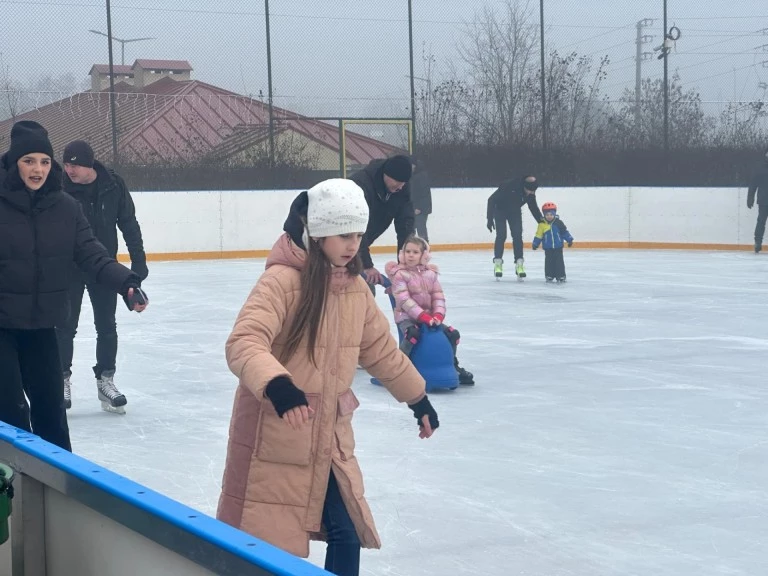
{"type": "Point", "coordinates": [416, 289]}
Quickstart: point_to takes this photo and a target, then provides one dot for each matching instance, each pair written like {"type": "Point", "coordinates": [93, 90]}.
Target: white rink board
{"type": "Point", "coordinates": [235, 221]}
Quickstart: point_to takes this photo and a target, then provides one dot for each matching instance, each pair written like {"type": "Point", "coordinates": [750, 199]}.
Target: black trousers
{"type": "Point", "coordinates": [420, 223]}
{"type": "Point", "coordinates": [554, 265]}
{"type": "Point", "coordinates": [104, 303]}
{"type": "Point", "coordinates": [30, 368]}
{"type": "Point", "coordinates": [515, 222]}
{"type": "Point", "coordinates": [762, 216]}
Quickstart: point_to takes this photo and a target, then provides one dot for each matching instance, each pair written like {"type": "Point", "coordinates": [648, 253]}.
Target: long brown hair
{"type": "Point", "coordinates": [315, 278]}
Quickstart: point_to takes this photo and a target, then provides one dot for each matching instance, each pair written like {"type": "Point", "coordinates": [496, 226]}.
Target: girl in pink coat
{"type": "Point", "coordinates": [419, 299]}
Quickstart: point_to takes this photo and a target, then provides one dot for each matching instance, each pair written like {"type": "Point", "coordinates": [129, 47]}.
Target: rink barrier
{"type": "Point", "coordinates": [227, 224]}
{"type": "Point", "coordinates": [73, 517]}
{"type": "Point", "coordinates": [246, 254]}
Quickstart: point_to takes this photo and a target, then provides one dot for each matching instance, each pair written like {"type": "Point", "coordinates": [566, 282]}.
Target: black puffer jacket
{"type": "Point", "coordinates": [511, 197]}
{"type": "Point", "coordinates": [759, 185]}
{"type": "Point", "coordinates": [41, 234]}
{"type": "Point", "coordinates": [112, 207]}
{"type": "Point", "coordinates": [384, 207]}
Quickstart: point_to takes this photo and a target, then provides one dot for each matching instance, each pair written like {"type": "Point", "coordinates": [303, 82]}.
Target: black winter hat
{"type": "Point", "coordinates": [79, 153]}
{"type": "Point", "coordinates": [398, 168]}
{"type": "Point", "coordinates": [28, 137]}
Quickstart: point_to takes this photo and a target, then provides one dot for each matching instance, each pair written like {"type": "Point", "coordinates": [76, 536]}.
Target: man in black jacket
{"type": "Point", "coordinates": [43, 232]}
{"type": "Point", "coordinates": [759, 187]}
{"type": "Point", "coordinates": [421, 196]}
{"type": "Point", "coordinates": [107, 205]}
{"type": "Point", "coordinates": [385, 183]}
{"type": "Point", "coordinates": [504, 207]}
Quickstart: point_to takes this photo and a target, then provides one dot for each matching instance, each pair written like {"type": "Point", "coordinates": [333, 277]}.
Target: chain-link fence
{"type": "Point", "coordinates": [202, 99]}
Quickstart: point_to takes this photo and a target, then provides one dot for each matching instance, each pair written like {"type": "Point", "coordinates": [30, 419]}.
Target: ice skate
{"type": "Point", "coordinates": [111, 398]}
{"type": "Point", "coordinates": [67, 391]}
{"type": "Point", "coordinates": [519, 269]}
{"type": "Point", "coordinates": [465, 377]}
{"type": "Point", "coordinates": [550, 279]}
{"type": "Point", "coordinates": [758, 247]}
{"type": "Point", "coordinates": [498, 271]}
{"type": "Point", "coordinates": [561, 280]}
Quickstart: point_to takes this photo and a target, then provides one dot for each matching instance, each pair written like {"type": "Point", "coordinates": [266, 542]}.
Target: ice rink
{"type": "Point", "coordinates": [619, 425]}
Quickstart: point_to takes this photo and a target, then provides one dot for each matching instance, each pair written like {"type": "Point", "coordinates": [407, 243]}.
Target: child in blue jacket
{"type": "Point", "coordinates": [552, 233]}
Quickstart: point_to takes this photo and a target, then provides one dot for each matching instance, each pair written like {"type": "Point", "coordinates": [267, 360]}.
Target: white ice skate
{"type": "Point", "coordinates": [111, 398]}
{"type": "Point", "coordinates": [67, 392]}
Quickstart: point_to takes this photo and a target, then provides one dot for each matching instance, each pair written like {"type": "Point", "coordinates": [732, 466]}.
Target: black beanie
{"type": "Point", "coordinates": [79, 153]}
{"type": "Point", "coordinates": [28, 137]}
{"type": "Point", "coordinates": [398, 168]}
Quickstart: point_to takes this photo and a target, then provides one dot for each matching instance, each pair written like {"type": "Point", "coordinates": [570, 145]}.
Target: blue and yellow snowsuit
{"type": "Point", "coordinates": [553, 235]}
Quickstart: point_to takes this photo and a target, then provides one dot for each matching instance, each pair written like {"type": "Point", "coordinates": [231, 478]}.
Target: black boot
{"type": "Point", "coordinates": [465, 377]}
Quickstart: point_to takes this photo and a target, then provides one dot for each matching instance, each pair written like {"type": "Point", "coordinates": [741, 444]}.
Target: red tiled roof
{"type": "Point", "coordinates": [162, 64]}
{"type": "Point", "coordinates": [176, 122]}
{"type": "Point", "coordinates": [118, 68]}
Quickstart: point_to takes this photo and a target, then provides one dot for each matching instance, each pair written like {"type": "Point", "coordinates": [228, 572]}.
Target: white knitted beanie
{"type": "Point", "coordinates": [336, 206]}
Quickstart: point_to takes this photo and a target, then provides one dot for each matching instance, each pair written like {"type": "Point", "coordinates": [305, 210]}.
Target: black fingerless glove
{"type": "Point", "coordinates": [284, 395]}
{"type": "Point", "coordinates": [138, 297]}
{"type": "Point", "coordinates": [424, 407]}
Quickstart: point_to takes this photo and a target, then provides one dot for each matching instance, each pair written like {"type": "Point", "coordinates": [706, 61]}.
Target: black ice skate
{"type": "Point", "coordinates": [465, 377]}
{"type": "Point", "coordinates": [112, 400]}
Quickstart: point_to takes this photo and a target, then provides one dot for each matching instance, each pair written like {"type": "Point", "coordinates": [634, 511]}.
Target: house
{"type": "Point", "coordinates": [165, 117]}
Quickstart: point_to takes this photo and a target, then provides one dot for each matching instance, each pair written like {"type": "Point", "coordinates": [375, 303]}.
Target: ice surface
{"type": "Point", "coordinates": [619, 425]}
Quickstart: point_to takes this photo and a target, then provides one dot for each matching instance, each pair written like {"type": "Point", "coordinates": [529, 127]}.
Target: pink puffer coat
{"type": "Point", "coordinates": [416, 289]}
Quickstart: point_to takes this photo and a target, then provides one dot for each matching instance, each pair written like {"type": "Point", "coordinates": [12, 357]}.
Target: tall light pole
{"type": "Point", "coordinates": [544, 142]}
{"type": "Point", "coordinates": [122, 42]}
{"type": "Point", "coordinates": [413, 87]}
{"type": "Point", "coordinates": [269, 89]}
{"type": "Point", "coordinates": [639, 58]}
{"type": "Point", "coordinates": [666, 83]}
{"type": "Point", "coordinates": [112, 108]}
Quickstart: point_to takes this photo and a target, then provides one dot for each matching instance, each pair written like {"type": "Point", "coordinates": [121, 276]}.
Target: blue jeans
{"type": "Point", "coordinates": [342, 557]}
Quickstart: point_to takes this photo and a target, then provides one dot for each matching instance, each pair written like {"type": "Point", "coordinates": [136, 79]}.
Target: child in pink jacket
{"type": "Point", "coordinates": [419, 299]}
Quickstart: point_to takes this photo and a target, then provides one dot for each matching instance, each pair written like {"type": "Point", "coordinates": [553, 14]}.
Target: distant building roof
{"type": "Point", "coordinates": [118, 68]}
{"type": "Point", "coordinates": [175, 65]}
{"type": "Point", "coordinates": [176, 122]}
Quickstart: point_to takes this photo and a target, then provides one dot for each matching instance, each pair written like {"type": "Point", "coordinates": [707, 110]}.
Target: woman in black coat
{"type": "Point", "coordinates": [42, 231]}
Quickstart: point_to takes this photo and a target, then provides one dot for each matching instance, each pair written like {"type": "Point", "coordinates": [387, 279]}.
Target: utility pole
{"type": "Point", "coordinates": [112, 107]}
{"type": "Point", "coordinates": [666, 83]}
{"type": "Point", "coordinates": [269, 88]}
{"type": "Point", "coordinates": [544, 142]}
{"type": "Point", "coordinates": [413, 88]}
{"type": "Point", "coordinates": [639, 58]}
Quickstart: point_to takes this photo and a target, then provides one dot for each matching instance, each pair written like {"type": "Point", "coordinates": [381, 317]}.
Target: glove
{"type": "Point", "coordinates": [139, 266]}
{"type": "Point", "coordinates": [425, 318]}
{"type": "Point", "coordinates": [490, 225]}
{"type": "Point", "coordinates": [424, 408]}
{"type": "Point", "coordinates": [138, 297]}
{"type": "Point", "coordinates": [570, 243]}
{"type": "Point", "coordinates": [284, 395]}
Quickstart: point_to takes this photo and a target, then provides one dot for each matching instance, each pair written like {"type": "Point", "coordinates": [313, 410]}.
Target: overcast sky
{"type": "Point", "coordinates": [350, 57]}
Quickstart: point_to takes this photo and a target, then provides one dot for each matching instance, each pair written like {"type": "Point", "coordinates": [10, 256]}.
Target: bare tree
{"type": "Point", "coordinates": [499, 52]}
{"type": "Point", "coordinates": [10, 92]}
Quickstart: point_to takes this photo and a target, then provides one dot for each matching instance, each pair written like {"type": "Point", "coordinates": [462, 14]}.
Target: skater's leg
{"type": "Point", "coordinates": [342, 556]}
{"type": "Point", "coordinates": [14, 409]}
{"type": "Point", "coordinates": [516, 230]}
{"type": "Point", "coordinates": [465, 377]}
{"type": "Point", "coordinates": [411, 335]}
{"type": "Point", "coordinates": [104, 302]}
{"type": "Point", "coordinates": [549, 264]}
{"type": "Point", "coordinates": [65, 333]}
{"type": "Point", "coordinates": [501, 236]}
{"type": "Point", "coordinates": [559, 264]}
{"type": "Point", "coordinates": [44, 385]}
{"type": "Point", "coordinates": [762, 216]}
{"type": "Point", "coordinates": [420, 223]}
